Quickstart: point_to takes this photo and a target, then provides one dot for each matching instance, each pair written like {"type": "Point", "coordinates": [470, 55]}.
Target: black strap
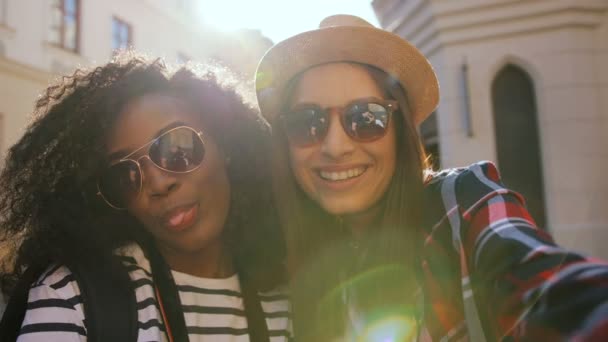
{"type": "Point", "coordinates": [109, 301]}
{"type": "Point", "coordinates": [10, 325]}
{"type": "Point", "coordinates": [169, 295]}
{"type": "Point", "coordinates": [256, 319]}
{"type": "Point", "coordinates": [170, 301]}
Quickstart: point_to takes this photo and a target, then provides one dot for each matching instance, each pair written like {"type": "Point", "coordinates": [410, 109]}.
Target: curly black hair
{"type": "Point", "coordinates": [49, 210]}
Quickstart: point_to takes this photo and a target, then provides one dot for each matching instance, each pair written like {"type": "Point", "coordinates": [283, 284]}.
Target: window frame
{"type": "Point", "coordinates": [122, 23]}
{"type": "Point", "coordinates": [62, 43]}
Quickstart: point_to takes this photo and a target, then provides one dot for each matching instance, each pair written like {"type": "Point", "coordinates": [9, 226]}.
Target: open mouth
{"type": "Point", "coordinates": [342, 175]}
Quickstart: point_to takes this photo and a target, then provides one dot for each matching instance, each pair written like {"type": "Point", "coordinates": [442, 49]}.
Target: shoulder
{"type": "Point", "coordinates": [278, 297]}
{"type": "Point", "coordinates": [133, 254]}
{"type": "Point", "coordinates": [276, 306]}
{"type": "Point", "coordinates": [140, 271]}
{"type": "Point", "coordinates": [54, 306]}
{"type": "Point", "coordinates": [478, 172]}
{"type": "Point", "coordinates": [467, 187]}
{"type": "Point", "coordinates": [58, 279]}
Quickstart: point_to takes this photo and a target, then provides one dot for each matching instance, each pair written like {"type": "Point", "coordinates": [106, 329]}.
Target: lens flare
{"type": "Point", "coordinates": [388, 321]}
{"type": "Point", "coordinates": [263, 80]}
{"type": "Point", "coordinates": [390, 329]}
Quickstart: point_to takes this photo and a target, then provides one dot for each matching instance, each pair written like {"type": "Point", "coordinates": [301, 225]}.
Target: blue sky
{"type": "Point", "coordinates": [279, 19]}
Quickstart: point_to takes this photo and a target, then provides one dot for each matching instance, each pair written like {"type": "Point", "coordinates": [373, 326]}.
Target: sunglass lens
{"type": "Point", "coordinates": [366, 122]}
{"type": "Point", "coordinates": [305, 126]}
{"type": "Point", "coordinates": [120, 183]}
{"type": "Point", "coordinates": [180, 150]}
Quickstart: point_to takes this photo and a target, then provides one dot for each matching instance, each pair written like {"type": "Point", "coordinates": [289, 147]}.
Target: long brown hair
{"type": "Point", "coordinates": [323, 262]}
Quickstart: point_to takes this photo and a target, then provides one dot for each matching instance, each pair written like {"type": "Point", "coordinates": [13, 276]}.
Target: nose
{"type": "Point", "coordinates": [156, 182]}
{"type": "Point", "coordinates": [337, 144]}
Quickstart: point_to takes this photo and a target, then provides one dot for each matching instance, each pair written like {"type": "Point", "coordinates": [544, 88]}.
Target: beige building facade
{"type": "Point", "coordinates": [513, 73]}
{"type": "Point", "coordinates": [43, 39]}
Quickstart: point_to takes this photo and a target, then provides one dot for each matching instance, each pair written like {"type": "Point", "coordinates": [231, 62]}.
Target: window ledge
{"type": "Point", "coordinates": [63, 61]}
{"type": "Point", "coordinates": [61, 50]}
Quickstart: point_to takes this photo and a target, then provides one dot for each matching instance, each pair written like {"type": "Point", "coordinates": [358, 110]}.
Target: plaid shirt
{"type": "Point", "coordinates": [490, 274]}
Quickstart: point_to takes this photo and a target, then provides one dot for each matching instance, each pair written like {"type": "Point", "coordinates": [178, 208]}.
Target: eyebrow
{"type": "Point", "coordinates": [126, 151]}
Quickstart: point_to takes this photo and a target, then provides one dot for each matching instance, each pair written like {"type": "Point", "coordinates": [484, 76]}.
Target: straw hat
{"type": "Point", "coordinates": [346, 38]}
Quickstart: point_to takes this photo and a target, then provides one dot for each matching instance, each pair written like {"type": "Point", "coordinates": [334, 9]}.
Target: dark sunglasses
{"type": "Point", "coordinates": [179, 150]}
{"type": "Point", "coordinates": [362, 120]}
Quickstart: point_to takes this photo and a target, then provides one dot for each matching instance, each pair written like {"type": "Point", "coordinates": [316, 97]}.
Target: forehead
{"type": "Point", "coordinates": [142, 118]}
{"type": "Point", "coordinates": [335, 84]}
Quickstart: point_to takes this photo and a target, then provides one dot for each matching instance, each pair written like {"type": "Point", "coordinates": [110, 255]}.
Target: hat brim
{"type": "Point", "coordinates": [359, 44]}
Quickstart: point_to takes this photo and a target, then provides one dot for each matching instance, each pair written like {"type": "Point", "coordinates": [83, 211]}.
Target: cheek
{"type": "Point", "coordinates": [300, 162]}
{"type": "Point", "coordinates": [138, 210]}
{"type": "Point", "coordinates": [212, 183]}
{"type": "Point", "coordinates": [220, 183]}
{"type": "Point", "coordinates": [385, 152]}
{"type": "Point", "coordinates": [389, 152]}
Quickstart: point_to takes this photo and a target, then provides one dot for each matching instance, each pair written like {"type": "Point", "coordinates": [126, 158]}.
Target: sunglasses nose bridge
{"type": "Point", "coordinates": [152, 163]}
{"type": "Point", "coordinates": [336, 142]}
{"type": "Point", "coordinates": [145, 156]}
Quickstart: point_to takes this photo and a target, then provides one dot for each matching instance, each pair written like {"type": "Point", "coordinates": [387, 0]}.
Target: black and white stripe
{"type": "Point", "coordinates": [213, 308]}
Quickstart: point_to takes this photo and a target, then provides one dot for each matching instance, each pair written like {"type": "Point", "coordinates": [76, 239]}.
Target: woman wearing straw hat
{"type": "Point", "coordinates": [381, 248]}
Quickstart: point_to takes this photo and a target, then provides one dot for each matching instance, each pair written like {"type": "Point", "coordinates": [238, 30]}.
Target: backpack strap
{"type": "Point", "coordinates": [256, 319]}
{"type": "Point", "coordinates": [14, 313]}
{"type": "Point", "coordinates": [167, 294]}
{"type": "Point", "coordinates": [109, 302]}
{"type": "Point", "coordinates": [171, 306]}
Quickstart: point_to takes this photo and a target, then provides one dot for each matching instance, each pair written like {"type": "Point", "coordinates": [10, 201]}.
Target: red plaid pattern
{"type": "Point", "coordinates": [489, 273]}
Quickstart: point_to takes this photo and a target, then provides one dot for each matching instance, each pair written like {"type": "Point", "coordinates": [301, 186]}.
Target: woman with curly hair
{"type": "Point", "coordinates": [155, 179]}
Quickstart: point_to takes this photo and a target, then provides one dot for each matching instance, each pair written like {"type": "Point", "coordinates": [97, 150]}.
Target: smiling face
{"type": "Point", "coordinates": [344, 176]}
{"type": "Point", "coordinates": [184, 212]}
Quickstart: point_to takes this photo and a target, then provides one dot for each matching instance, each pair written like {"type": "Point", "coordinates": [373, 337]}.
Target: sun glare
{"type": "Point", "coordinates": [278, 19]}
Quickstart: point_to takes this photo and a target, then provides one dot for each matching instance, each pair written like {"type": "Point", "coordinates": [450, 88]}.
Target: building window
{"type": "Point", "coordinates": [65, 24]}
{"type": "Point", "coordinates": [518, 139]}
{"type": "Point", "coordinates": [122, 35]}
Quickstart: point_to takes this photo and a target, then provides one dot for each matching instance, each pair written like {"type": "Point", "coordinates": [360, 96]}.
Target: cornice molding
{"type": "Point", "coordinates": [432, 24]}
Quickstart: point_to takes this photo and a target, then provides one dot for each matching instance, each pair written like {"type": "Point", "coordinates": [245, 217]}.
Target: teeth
{"type": "Point", "coordinates": [342, 175]}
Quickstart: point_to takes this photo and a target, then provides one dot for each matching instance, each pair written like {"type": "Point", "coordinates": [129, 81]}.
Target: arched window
{"type": "Point", "coordinates": [517, 139]}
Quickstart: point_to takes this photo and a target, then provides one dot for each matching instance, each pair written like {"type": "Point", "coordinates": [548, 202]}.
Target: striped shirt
{"type": "Point", "coordinates": [213, 308]}
{"type": "Point", "coordinates": [489, 273]}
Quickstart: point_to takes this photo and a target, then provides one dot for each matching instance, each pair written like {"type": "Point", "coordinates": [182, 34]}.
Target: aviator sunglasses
{"type": "Point", "coordinates": [179, 150]}
{"type": "Point", "coordinates": [362, 120]}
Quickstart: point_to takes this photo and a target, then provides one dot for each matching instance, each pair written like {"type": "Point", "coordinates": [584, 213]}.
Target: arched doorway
{"type": "Point", "coordinates": [517, 141]}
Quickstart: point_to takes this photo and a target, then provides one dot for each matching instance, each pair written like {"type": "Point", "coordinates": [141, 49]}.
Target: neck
{"type": "Point", "coordinates": [213, 261]}
{"type": "Point", "coordinates": [359, 223]}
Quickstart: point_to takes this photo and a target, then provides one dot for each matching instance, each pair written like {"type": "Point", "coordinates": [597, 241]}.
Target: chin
{"type": "Point", "coordinates": [340, 207]}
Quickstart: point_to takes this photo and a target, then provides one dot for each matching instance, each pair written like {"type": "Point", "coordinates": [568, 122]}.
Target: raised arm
{"type": "Point", "coordinates": [523, 284]}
